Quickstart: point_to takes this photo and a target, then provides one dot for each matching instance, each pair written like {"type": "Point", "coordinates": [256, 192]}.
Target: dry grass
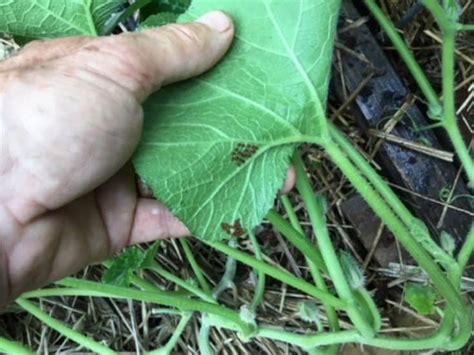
{"type": "Point", "coordinates": [137, 326]}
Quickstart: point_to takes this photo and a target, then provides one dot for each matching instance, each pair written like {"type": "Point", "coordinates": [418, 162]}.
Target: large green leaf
{"type": "Point", "coordinates": [216, 149]}
{"type": "Point", "coordinates": [55, 18]}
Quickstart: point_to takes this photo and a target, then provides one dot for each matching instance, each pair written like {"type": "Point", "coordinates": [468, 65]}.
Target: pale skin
{"type": "Point", "coordinates": [70, 119]}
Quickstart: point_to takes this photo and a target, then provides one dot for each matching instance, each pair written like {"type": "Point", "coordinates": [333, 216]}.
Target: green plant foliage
{"type": "Point", "coordinates": [102, 10]}
{"type": "Point", "coordinates": [447, 242]}
{"type": "Point", "coordinates": [421, 298]}
{"type": "Point", "coordinates": [352, 270]}
{"type": "Point", "coordinates": [158, 20]}
{"type": "Point", "coordinates": [131, 260]}
{"type": "Point", "coordinates": [309, 312]}
{"type": "Point", "coordinates": [216, 149]}
{"type": "Point", "coordinates": [160, 6]}
{"type": "Point", "coordinates": [59, 18]}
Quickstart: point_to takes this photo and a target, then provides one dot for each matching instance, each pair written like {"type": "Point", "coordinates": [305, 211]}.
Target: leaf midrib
{"type": "Point", "coordinates": [309, 84]}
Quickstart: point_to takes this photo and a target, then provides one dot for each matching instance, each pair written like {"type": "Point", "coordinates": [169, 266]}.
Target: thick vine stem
{"type": "Point", "coordinates": [407, 56]}
{"type": "Point", "coordinates": [465, 253]}
{"type": "Point", "coordinates": [297, 239]}
{"type": "Point", "coordinates": [63, 329]}
{"type": "Point", "coordinates": [283, 276]}
{"type": "Point", "coordinates": [375, 179]}
{"type": "Point", "coordinates": [182, 283]}
{"type": "Point", "coordinates": [89, 288]}
{"type": "Point", "coordinates": [317, 216]}
{"type": "Point", "coordinates": [449, 105]}
{"type": "Point", "coordinates": [260, 287]}
{"type": "Point", "coordinates": [195, 266]}
{"type": "Point", "coordinates": [170, 345]}
{"type": "Point", "coordinates": [313, 268]}
{"type": "Point", "coordinates": [442, 284]}
{"type": "Point", "coordinates": [13, 347]}
{"type": "Point", "coordinates": [446, 112]}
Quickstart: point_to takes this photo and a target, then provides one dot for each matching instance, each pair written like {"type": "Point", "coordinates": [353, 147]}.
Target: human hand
{"type": "Point", "coordinates": [70, 119]}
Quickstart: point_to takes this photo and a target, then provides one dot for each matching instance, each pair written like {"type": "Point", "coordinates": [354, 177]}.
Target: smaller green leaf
{"type": "Point", "coordinates": [352, 270]}
{"type": "Point", "coordinates": [309, 312]}
{"type": "Point", "coordinates": [150, 255]}
{"type": "Point", "coordinates": [159, 6]}
{"type": "Point", "coordinates": [447, 242]}
{"type": "Point", "coordinates": [124, 266]}
{"type": "Point", "coordinates": [158, 20]}
{"type": "Point", "coordinates": [421, 298]}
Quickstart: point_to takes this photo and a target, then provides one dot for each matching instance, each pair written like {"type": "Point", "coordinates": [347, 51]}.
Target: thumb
{"type": "Point", "coordinates": [145, 61]}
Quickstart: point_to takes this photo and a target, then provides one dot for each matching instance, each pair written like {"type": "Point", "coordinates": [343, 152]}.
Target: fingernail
{"type": "Point", "coordinates": [217, 20]}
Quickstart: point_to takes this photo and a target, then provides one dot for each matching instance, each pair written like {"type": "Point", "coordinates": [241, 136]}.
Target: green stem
{"type": "Point", "coordinates": [387, 193]}
{"type": "Point", "coordinates": [466, 251]}
{"type": "Point", "coordinates": [280, 275]}
{"type": "Point", "coordinates": [439, 14]}
{"type": "Point", "coordinates": [181, 283]}
{"type": "Point", "coordinates": [13, 347]}
{"type": "Point", "coordinates": [194, 265]}
{"type": "Point", "coordinates": [316, 212]}
{"type": "Point", "coordinates": [204, 336]}
{"type": "Point", "coordinates": [171, 344]}
{"type": "Point", "coordinates": [466, 27]}
{"type": "Point", "coordinates": [297, 239]}
{"type": "Point", "coordinates": [449, 105]}
{"type": "Point", "coordinates": [227, 279]}
{"type": "Point", "coordinates": [136, 281]}
{"type": "Point", "coordinates": [314, 270]}
{"type": "Point", "coordinates": [260, 288]}
{"type": "Point", "coordinates": [407, 56]}
{"type": "Point", "coordinates": [118, 17]}
{"type": "Point", "coordinates": [371, 306]}
{"type": "Point", "coordinates": [63, 329]}
{"type": "Point", "coordinates": [95, 289]}
{"type": "Point", "coordinates": [446, 113]}
{"type": "Point", "coordinates": [312, 256]}
{"type": "Point", "coordinates": [290, 211]}
{"type": "Point", "coordinates": [444, 287]}
{"type": "Point", "coordinates": [375, 179]}
{"type": "Point", "coordinates": [311, 341]}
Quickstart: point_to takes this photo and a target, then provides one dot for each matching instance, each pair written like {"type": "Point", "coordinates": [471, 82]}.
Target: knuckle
{"type": "Point", "coordinates": [124, 60]}
{"type": "Point", "coordinates": [187, 36]}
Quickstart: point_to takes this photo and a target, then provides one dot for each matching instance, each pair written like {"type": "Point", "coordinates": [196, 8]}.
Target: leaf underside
{"type": "Point", "coordinates": [216, 149]}
{"type": "Point", "coordinates": [56, 18]}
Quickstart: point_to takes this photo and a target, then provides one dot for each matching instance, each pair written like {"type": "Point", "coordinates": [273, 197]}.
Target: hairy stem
{"type": "Point", "coordinates": [317, 217]}
{"type": "Point", "coordinates": [195, 266]}
{"type": "Point", "coordinates": [297, 239]}
{"type": "Point", "coordinates": [95, 289]}
{"type": "Point", "coordinates": [407, 56]}
{"type": "Point", "coordinates": [171, 344]}
{"type": "Point", "coordinates": [182, 283]}
{"type": "Point", "coordinates": [13, 347]}
{"type": "Point", "coordinates": [312, 256]}
{"type": "Point", "coordinates": [60, 327]}
{"type": "Point", "coordinates": [260, 288]}
{"type": "Point", "coordinates": [442, 284]}
{"type": "Point", "coordinates": [280, 275]}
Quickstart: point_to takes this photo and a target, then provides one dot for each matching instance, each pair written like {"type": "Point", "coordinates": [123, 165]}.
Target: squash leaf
{"type": "Point", "coordinates": [129, 262]}
{"type": "Point", "coordinates": [216, 149]}
{"type": "Point", "coordinates": [421, 298]}
{"type": "Point", "coordinates": [59, 18]}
